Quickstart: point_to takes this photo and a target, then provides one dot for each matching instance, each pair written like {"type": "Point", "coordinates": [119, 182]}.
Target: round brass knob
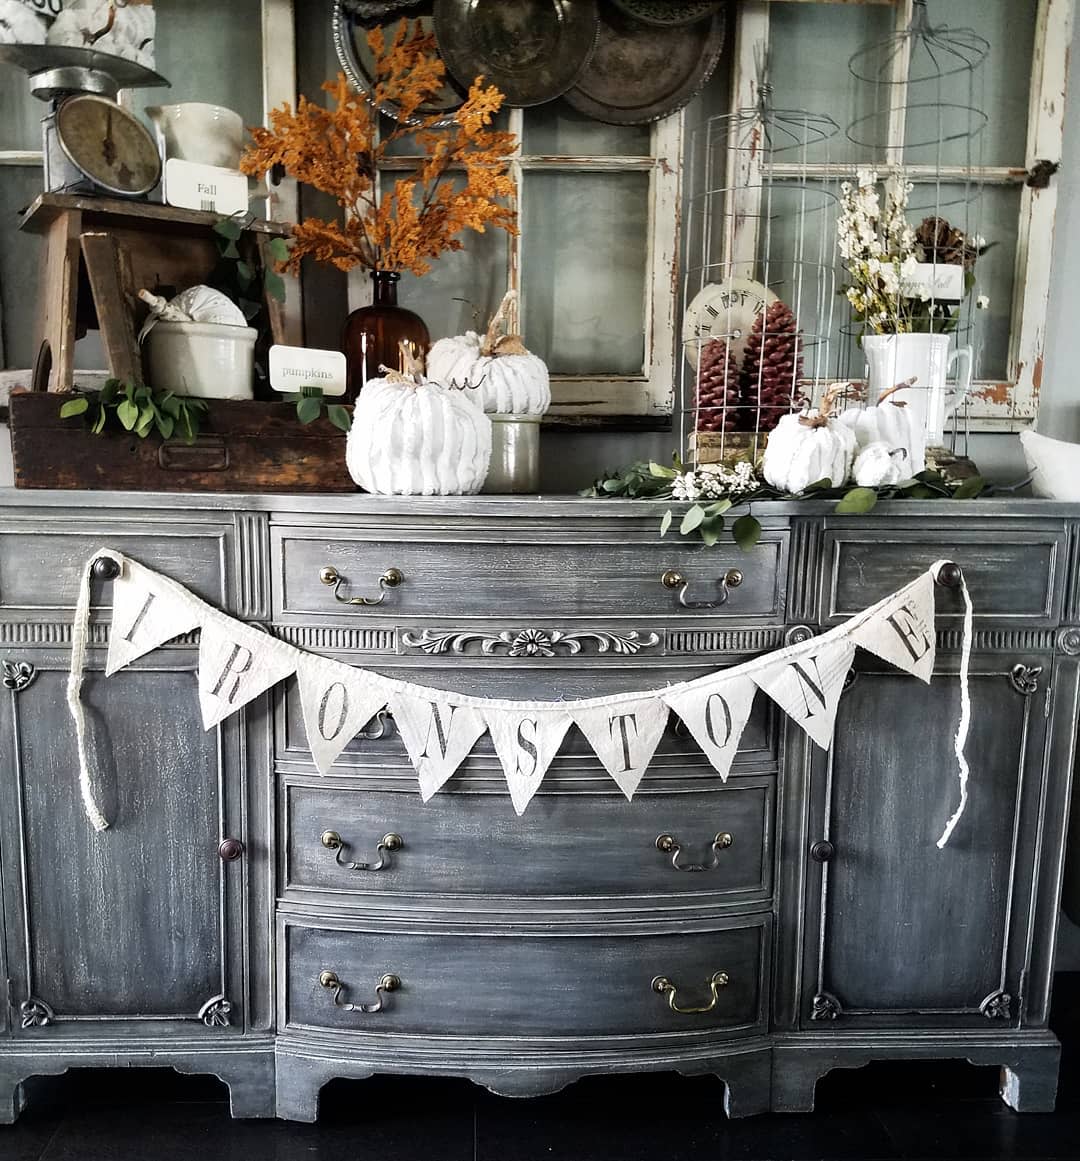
{"type": "Point", "coordinates": [723, 839]}
{"type": "Point", "coordinates": [672, 579]}
{"type": "Point", "coordinates": [331, 840]}
{"type": "Point", "coordinates": [392, 842]}
{"type": "Point", "coordinates": [665, 843]}
{"type": "Point", "coordinates": [328, 979]}
{"type": "Point", "coordinates": [822, 852]}
{"type": "Point", "coordinates": [390, 983]}
{"type": "Point", "coordinates": [230, 850]}
{"type": "Point", "coordinates": [950, 575]}
{"type": "Point", "coordinates": [392, 578]}
{"type": "Point", "coordinates": [733, 578]}
{"type": "Point", "coordinates": [329, 575]}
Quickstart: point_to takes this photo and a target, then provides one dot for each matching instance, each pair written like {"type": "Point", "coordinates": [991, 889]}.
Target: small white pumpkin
{"type": "Point", "coordinates": [804, 449]}
{"type": "Point", "coordinates": [879, 465]}
{"type": "Point", "coordinates": [411, 436]}
{"type": "Point", "coordinates": [510, 380]}
{"type": "Point", "coordinates": [891, 422]}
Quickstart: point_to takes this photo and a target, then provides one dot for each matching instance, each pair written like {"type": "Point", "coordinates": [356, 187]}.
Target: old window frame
{"type": "Point", "coordinates": [998, 405]}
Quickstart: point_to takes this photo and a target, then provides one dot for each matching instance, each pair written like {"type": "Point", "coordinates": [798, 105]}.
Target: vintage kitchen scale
{"type": "Point", "coordinates": [91, 144]}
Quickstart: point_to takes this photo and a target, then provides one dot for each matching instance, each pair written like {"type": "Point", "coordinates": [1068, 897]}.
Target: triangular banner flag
{"type": "Point", "coordinates": [237, 662]}
{"type": "Point", "coordinates": [526, 741]}
{"type": "Point", "coordinates": [337, 702]}
{"type": "Point", "coordinates": [624, 736]}
{"type": "Point", "coordinates": [808, 686]}
{"type": "Point", "coordinates": [438, 735]}
{"type": "Point", "coordinates": [902, 631]}
{"type": "Point", "coordinates": [716, 713]}
{"type": "Point", "coordinates": [146, 614]}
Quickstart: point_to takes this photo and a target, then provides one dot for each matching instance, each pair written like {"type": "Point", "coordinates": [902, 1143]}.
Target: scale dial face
{"type": "Point", "coordinates": [724, 310]}
{"type": "Point", "coordinates": [108, 144]}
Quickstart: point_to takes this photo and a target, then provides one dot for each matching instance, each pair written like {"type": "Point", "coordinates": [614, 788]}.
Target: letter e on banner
{"type": "Point", "coordinates": [901, 632]}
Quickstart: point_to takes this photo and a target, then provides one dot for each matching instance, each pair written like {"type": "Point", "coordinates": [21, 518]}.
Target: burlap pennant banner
{"type": "Point", "coordinates": [439, 728]}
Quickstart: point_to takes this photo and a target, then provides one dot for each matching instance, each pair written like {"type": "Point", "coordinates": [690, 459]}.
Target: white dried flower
{"type": "Point", "coordinates": [983, 302]}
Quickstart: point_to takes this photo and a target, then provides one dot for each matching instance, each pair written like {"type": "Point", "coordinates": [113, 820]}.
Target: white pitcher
{"type": "Point", "coordinates": [893, 359]}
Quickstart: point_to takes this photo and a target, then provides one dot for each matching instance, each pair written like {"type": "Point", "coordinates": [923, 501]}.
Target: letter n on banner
{"type": "Point", "coordinates": [526, 741]}
{"type": "Point", "coordinates": [146, 614]}
{"type": "Point", "coordinates": [438, 736]}
{"type": "Point", "coordinates": [808, 687]}
{"type": "Point", "coordinates": [624, 736]}
{"type": "Point", "coordinates": [716, 714]}
{"type": "Point", "coordinates": [337, 701]}
{"type": "Point", "coordinates": [236, 664]}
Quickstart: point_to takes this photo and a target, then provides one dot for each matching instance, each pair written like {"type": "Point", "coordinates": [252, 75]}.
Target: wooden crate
{"type": "Point", "coordinates": [242, 447]}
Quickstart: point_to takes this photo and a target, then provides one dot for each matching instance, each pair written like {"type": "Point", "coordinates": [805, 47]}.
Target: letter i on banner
{"type": "Point", "coordinates": [624, 736]}
{"type": "Point", "coordinates": [716, 714]}
{"type": "Point", "coordinates": [337, 701]}
{"type": "Point", "coordinates": [808, 687]}
{"type": "Point", "coordinates": [236, 664]}
{"type": "Point", "coordinates": [438, 736]}
{"type": "Point", "coordinates": [146, 614]}
{"type": "Point", "coordinates": [526, 741]}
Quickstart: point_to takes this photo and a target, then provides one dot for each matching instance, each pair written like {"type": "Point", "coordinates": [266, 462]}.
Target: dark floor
{"type": "Point", "coordinates": [915, 1111]}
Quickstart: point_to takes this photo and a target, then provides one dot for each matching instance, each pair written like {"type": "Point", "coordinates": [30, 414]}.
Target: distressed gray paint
{"type": "Point", "coordinates": [526, 945]}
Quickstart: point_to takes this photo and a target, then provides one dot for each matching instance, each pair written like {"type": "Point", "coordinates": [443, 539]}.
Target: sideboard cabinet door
{"type": "Point", "coordinates": [900, 933]}
{"type": "Point", "coordinates": [138, 924]}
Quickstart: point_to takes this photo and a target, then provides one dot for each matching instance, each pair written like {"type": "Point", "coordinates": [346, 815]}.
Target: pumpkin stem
{"type": "Point", "coordinates": [899, 387]}
{"type": "Point", "coordinates": [825, 409]}
{"type": "Point", "coordinates": [502, 337]}
{"type": "Point", "coordinates": [412, 365]}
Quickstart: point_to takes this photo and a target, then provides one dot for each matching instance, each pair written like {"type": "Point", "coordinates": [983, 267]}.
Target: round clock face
{"type": "Point", "coordinates": [108, 144]}
{"type": "Point", "coordinates": [724, 310]}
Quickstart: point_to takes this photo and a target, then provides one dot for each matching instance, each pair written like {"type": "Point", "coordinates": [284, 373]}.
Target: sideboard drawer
{"type": "Point", "coordinates": [512, 985]}
{"type": "Point", "coordinates": [561, 579]}
{"type": "Point", "coordinates": [1014, 572]}
{"type": "Point", "coordinates": [608, 848]}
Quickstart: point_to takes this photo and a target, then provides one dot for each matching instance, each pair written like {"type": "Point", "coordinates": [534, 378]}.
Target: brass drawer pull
{"type": "Point", "coordinates": [673, 579]}
{"type": "Point", "coordinates": [670, 845]}
{"type": "Point", "coordinates": [389, 580]}
{"type": "Point", "coordinates": [388, 983]}
{"type": "Point", "coordinates": [389, 842]}
{"type": "Point", "coordinates": [665, 987]}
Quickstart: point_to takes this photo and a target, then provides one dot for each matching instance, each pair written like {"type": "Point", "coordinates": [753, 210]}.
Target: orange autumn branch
{"type": "Point", "coordinates": [461, 180]}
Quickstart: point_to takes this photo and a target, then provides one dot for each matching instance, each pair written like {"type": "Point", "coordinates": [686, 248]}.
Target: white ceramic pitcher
{"type": "Point", "coordinates": [193, 131]}
{"type": "Point", "coordinates": [893, 359]}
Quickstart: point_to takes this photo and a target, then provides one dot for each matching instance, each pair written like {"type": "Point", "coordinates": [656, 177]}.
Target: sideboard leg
{"type": "Point", "coordinates": [1030, 1086]}
{"type": "Point", "coordinates": [252, 1096]}
{"type": "Point", "coordinates": [298, 1085]}
{"type": "Point", "coordinates": [749, 1091]}
{"type": "Point", "coordinates": [794, 1083]}
{"type": "Point", "coordinates": [12, 1098]}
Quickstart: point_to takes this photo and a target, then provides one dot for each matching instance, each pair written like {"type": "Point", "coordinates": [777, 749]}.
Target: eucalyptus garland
{"type": "Point", "coordinates": [714, 489]}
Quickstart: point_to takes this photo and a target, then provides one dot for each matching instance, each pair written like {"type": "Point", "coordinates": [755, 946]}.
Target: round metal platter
{"type": "Point", "coordinates": [665, 13]}
{"type": "Point", "coordinates": [640, 72]}
{"type": "Point", "coordinates": [532, 50]}
{"type": "Point", "coordinates": [358, 64]}
{"type": "Point", "coordinates": [379, 9]}
{"type": "Point", "coordinates": [108, 144]}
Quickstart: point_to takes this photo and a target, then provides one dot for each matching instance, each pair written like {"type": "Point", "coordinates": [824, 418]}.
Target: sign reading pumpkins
{"type": "Point", "coordinates": [238, 662]}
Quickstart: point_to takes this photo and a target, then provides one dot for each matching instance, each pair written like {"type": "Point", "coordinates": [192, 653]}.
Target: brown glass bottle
{"type": "Point", "coordinates": [372, 333]}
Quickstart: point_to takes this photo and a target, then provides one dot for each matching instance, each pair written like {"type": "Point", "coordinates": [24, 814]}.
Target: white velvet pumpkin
{"type": "Point", "coordinates": [891, 423]}
{"type": "Point", "coordinates": [417, 439]}
{"type": "Point", "coordinates": [804, 449]}
{"type": "Point", "coordinates": [510, 380]}
{"type": "Point", "coordinates": [879, 464]}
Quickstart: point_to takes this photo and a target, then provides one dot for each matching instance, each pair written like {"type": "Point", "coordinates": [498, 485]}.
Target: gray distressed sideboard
{"type": "Point", "coordinates": [248, 918]}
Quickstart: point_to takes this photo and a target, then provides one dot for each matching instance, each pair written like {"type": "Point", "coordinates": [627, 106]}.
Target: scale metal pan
{"type": "Point", "coordinates": [532, 50]}
{"type": "Point", "coordinates": [642, 72]}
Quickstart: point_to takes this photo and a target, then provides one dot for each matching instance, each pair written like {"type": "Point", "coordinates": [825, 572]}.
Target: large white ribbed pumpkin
{"type": "Point", "coordinates": [804, 449]}
{"type": "Point", "coordinates": [510, 380]}
{"type": "Point", "coordinates": [412, 438]}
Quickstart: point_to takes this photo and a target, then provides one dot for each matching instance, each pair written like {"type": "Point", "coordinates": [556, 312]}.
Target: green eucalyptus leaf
{"type": "Point", "coordinates": [308, 409]}
{"type": "Point", "coordinates": [692, 520]}
{"type": "Point", "coordinates": [922, 492]}
{"type": "Point", "coordinates": [339, 416]}
{"type": "Point", "coordinates": [76, 406]}
{"type": "Point", "coordinates": [166, 425]}
{"type": "Point", "coordinates": [665, 522]}
{"type": "Point", "coordinates": [970, 488]}
{"type": "Point", "coordinates": [128, 414]}
{"type": "Point", "coordinates": [711, 530]}
{"type": "Point", "coordinates": [718, 508]}
{"type": "Point", "coordinates": [99, 422]}
{"type": "Point", "coordinates": [856, 502]}
{"type": "Point", "coordinates": [279, 249]}
{"type": "Point", "coordinates": [660, 472]}
{"type": "Point", "coordinates": [746, 531]}
{"type": "Point", "coordinates": [145, 421]}
{"type": "Point", "coordinates": [274, 285]}
{"type": "Point", "coordinates": [613, 487]}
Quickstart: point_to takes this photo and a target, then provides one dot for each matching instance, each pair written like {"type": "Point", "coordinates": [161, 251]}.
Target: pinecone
{"type": "Point", "coordinates": [771, 367]}
{"type": "Point", "coordinates": [717, 397]}
{"type": "Point", "coordinates": [942, 244]}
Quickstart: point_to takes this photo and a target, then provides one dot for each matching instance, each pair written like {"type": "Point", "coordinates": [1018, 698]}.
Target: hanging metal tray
{"type": "Point", "coordinates": [532, 51]}
{"type": "Point", "coordinates": [350, 30]}
{"type": "Point", "coordinates": [666, 13]}
{"type": "Point", "coordinates": [641, 72]}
